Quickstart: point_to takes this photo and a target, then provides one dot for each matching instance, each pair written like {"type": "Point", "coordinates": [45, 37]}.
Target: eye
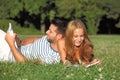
{"type": "Point", "coordinates": [50, 31]}
{"type": "Point", "coordinates": [81, 35]}
{"type": "Point", "coordinates": [75, 36]}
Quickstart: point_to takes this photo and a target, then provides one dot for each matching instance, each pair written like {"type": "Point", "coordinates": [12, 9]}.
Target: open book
{"type": "Point", "coordinates": [91, 64]}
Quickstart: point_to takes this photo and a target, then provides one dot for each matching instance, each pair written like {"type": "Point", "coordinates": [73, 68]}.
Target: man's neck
{"type": "Point", "coordinates": [54, 46]}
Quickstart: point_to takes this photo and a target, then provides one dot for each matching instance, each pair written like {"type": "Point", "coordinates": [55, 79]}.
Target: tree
{"type": "Point", "coordinates": [110, 23]}
{"type": "Point", "coordinates": [27, 12]}
{"type": "Point", "coordinates": [9, 8]}
{"type": "Point", "coordinates": [92, 15]}
{"type": "Point", "coordinates": [41, 12]}
{"type": "Point", "coordinates": [85, 9]}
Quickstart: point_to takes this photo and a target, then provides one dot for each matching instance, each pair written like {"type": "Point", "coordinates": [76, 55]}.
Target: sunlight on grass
{"type": "Point", "coordinates": [106, 48]}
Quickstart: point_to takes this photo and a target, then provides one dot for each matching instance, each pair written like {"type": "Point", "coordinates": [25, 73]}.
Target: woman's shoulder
{"type": "Point", "coordinates": [61, 41]}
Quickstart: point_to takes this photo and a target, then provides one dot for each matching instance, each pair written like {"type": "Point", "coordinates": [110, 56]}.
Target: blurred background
{"type": "Point", "coordinates": [34, 16]}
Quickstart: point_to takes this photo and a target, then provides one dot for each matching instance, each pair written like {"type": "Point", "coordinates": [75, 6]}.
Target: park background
{"type": "Point", "coordinates": [31, 18]}
{"type": "Point", "coordinates": [34, 16]}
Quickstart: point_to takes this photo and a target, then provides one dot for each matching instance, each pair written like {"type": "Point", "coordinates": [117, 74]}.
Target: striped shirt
{"type": "Point", "coordinates": [40, 49]}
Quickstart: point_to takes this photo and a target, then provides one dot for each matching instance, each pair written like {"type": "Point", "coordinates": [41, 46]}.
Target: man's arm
{"type": "Point", "coordinates": [16, 53]}
{"type": "Point", "coordinates": [24, 41]}
{"type": "Point", "coordinates": [28, 41]}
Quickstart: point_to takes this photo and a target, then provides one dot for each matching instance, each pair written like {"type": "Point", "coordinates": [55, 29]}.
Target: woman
{"type": "Point", "coordinates": [77, 47]}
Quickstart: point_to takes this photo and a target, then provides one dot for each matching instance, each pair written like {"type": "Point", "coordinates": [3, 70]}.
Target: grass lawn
{"type": "Point", "coordinates": [106, 48]}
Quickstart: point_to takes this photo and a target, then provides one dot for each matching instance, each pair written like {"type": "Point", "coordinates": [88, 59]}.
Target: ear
{"type": "Point", "coordinates": [59, 36]}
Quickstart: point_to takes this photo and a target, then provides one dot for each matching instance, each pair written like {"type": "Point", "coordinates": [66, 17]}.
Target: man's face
{"type": "Point", "coordinates": [51, 33]}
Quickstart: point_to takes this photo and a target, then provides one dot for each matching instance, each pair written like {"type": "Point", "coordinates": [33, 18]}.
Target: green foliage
{"type": "Point", "coordinates": [93, 15]}
{"type": "Point", "coordinates": [112, 7]}
{"type": "Point", "coordinates": [106, 48]}
{"type": "Point", "coordinates": [17, 29]}
{"type": "Point", "coordinates": [78, 9]}
{"type": "Point", "coordinates": [3, 9]}
{"type": "Point", "coordinates": [10, 8]}
{"type": "Point", "coordinates": [5, 23]}
{"type": "Point", "coordinates": [33, 6]}
{"type": "Point", "coordinates": [118, 25]}
{"type": "Point", "coordinates": [42, 7]}
{"type": "Point", "coordinates": [90, 11]}
{"type": "Point", "coordinates": [69, 9]}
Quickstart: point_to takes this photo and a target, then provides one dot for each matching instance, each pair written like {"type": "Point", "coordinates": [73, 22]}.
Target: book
{"type": "Point", "coordinates": [10, 29]}
{"type": "Point", "coordinates": [91, 64]}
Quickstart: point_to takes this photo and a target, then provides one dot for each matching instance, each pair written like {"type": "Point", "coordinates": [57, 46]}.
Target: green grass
{"type": "Point", "coordinates": [106, 48]}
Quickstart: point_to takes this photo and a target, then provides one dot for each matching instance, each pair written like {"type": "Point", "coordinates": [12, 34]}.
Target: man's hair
{"type": "Point", "coordinates": [61, 24]}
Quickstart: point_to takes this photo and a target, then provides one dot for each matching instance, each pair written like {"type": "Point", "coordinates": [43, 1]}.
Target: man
{"type": "Point", "coordinates": [44, 49]}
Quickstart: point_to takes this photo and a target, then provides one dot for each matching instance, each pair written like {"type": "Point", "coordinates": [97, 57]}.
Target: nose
{"type": "Point", "coordinates": [47, 32]}
{"type": "Point", "coordinates": [79, 38]}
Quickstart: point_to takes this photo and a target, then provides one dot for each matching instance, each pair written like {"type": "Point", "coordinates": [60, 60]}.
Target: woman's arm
{"type": "Point", "coordinates": [61, 49]}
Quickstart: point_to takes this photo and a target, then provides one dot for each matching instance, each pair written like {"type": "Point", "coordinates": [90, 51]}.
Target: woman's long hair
{"type": "Point", "coordinates": [84, 52]}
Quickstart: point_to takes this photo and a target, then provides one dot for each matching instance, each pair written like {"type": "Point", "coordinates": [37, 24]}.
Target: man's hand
{"type": "Point", "coordinates": [10, 39]}
{"type": "Point", "coordinates": [16, 53]}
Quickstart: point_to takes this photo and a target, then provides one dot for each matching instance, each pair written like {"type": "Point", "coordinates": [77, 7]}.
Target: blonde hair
{"type": "Point", "coordinates": [85, 50]}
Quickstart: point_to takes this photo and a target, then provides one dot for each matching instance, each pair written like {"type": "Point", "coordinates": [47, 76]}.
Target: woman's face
{"type": "Point", "coordinates": [78, 37]}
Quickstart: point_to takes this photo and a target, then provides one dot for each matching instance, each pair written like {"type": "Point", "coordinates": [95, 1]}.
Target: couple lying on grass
{"type": "Point", "coordinates": [65, 42]}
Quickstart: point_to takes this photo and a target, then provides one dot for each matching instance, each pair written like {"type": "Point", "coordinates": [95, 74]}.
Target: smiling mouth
{"type": "Point", "coordinates": [79, 42]}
